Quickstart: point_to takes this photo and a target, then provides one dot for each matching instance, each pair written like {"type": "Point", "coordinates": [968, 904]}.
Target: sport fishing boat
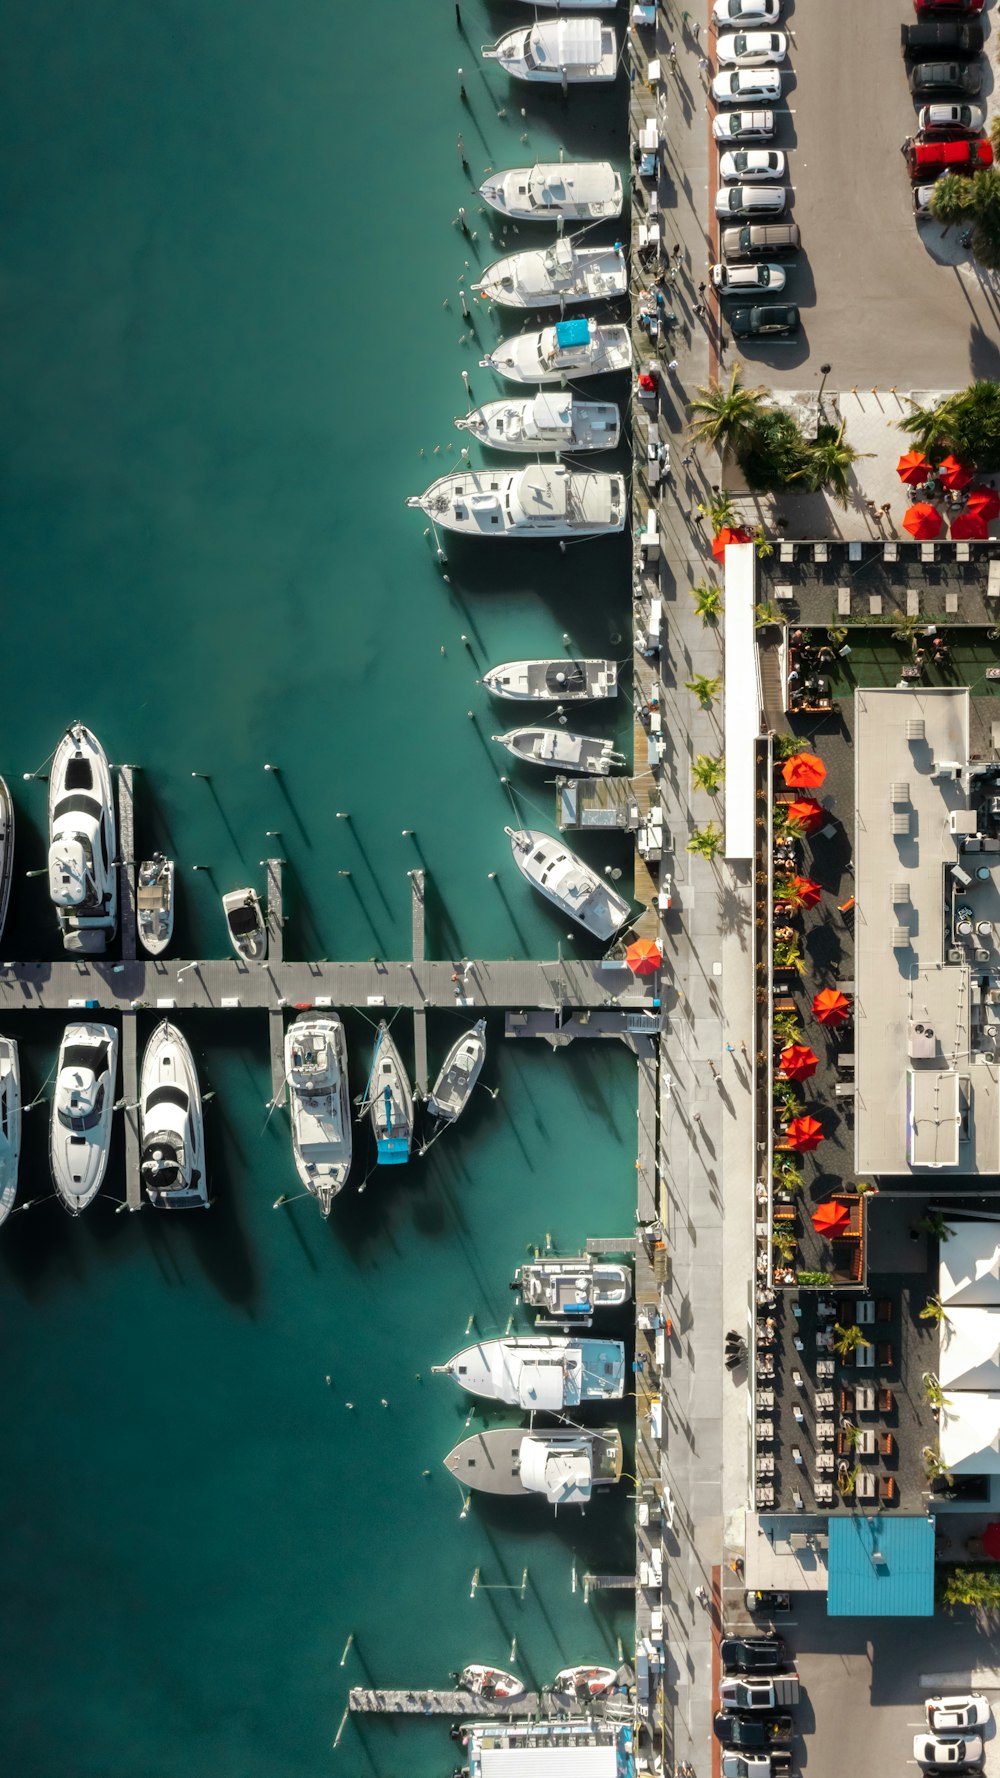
{"type": "Point", "coordinates": [82, 1104]}
{"type": "Point", "coordinates": [585, 1682]}
{"type": "Point", "coordinates": [577, 348]}
{"type": "Point", "coordinates": [572, 1288]}
{"type": "Point", "coordinates": [557, 52]}
{"type": "Point", "coordinates": [171, 1124]}
{"type": "Point", "coordinates": [563, 1466]}
{"type": "Point", "coordinates": [546, 501]}
{"type": "Point", "coordinates": [246, 924]}
{"type": "Point", "coordinates": [544, 422]}
{"type": "Point", "coordinates": [460, 1071]}
{"type": "Point", "coordinates": [322, 1135]}
{"type": "Point", "coordinates": [10, 1124]}
{"type": "Point", "coordinates": [389, 1102]}
{"type": "Point", "coordinates": [543, 1373]}
{"type": "Point", "coordinates": [561, 751]}
{"type": "Point", "coordinates": [83, 873]}
{"type": "Point", "coordinates": [6, 850]}
{"type": "Point", "coordinates": [549, 276]}
{"type": "Point", "coordinates": [155, 903]}
{"type": "Point", "coordinates": [490, 1682]}
{"type": "Point", "coordinates": [566, 881]}
{"type": "Point", "coordinates": [550, 191]}
{"type": "Point", "coordinates": [560, 681]}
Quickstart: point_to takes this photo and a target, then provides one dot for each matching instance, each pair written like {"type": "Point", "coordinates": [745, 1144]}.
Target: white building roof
{"type": "Point", "coordinates": [969, 1270]}
{"type": "Point", "coordinates": [970, 1432]}
{"type": "Point", "coordinates": [549, 1762]}
{"type": "Point", "coordinates": [970, 1350]}
{"type": "Point", "coordinates": [742, 699]}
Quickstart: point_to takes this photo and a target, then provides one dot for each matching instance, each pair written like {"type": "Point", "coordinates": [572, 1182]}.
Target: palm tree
{"type": "Point", "coordinates": [720, 511]}
{"type": "Point", "coordinates": [852, 1434]}
{"type": "Point", "coordinates": [705, 690]}
{"type": "Point", "coordinates": [934, 1465]}
{"type": "Point", "coordinates": [707, 602]}
{"type": "Point", "coordinates": [783, 1242]}
{"type": "Point", "coordinates": [764, 614]}
{"type": "Point", "coordinates": [951, 198]}
{"type": "Point", "coordinates": [932, 1391]}
{"type": "Point", "coordinates": [924, 423]}
{"type": "Point", "coordinates": [787, 1027]}
{"type": "Point", "coordinates": [846, 1479]}
{"type": "Point", "coordinates": [725, 418]}
{"type": "Point", "coordinates": [933, 1223]}
{"type": "Point", "coordinates": [706, 842]}
{"type": "Point", "coordinates": [787, 1176]}
{"type": "Point", "coordinates": [765, 547]}
{"type": "Point", "coordinates": [907, 630]}
{"type": "Point", "coordinates": [847, 1339]}
{"type": "Point", "coordinates": [934, 1310]}
{"type": "Point", "coordinates": [829, 463]}
{"type": "Point", "coordinates": [707, 773]}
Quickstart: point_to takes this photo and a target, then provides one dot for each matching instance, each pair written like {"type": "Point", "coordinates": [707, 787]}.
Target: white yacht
{"type": "Point", "coordinates": [171, 1124]}
{"type": "Point", "coordinates": [572, 1288]}
{"type": "Point", "coordinates": [545, 501]}
{"type": "Point", "coordinates": [154, 901]}
{"type": "Point", "coordinates": [560, 751]}
{"type": "Point", "coordinates": [83, 875]}
{"type": "Point", "coordinates": [490, 1682]}
{"type": "Point", "coordinates": [245, 924]}
{"type": "Point", "coordinates": [564, 1467]}
{"type": "Point", "coordinates": [82, 1104]}
{"type": "Point", "coordinates": [460, 1071]}
{"type": "Point", "coordinates": [544, 422]}
{"type": "Point", "coordinates": [389, 1102]}
{"type": "Point", "coordinates": [550, 191]}
{"type": "Point", "coordinates": [550, 276]}
{"type": "Point", "coordinates": [10, 1124]}
{"type": "Point", "coordinates": [541, 1373]}
{"type": "Point", "coordinates": [6, 850]}
{"type": "Point", "coordinates": [557, 52]}
{"type": "Point", "coordinates": [322, 1134]}
{"type": "Point", "coordinates": [561, 681]}
{"type": "Point", "coordinates": [564, 878]}
{"type": "Point", "coordinates": [578, 348]}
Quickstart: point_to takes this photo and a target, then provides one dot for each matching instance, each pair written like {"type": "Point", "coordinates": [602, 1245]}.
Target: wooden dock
{"type": "Point", "coordinates": [418, 917]}
{"type": "Point", "coordinates": [129, 1044]}
{"type": "Point", "coordinates": [364, 1699]}
{"type": "Point", "coordinates": [130, 1093]}
{"type": "Point", "coordinates": [126, 854]}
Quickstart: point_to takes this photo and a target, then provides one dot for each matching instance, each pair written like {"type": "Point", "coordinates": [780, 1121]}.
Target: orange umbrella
{"type": "Point", "coordinates": [804, 1133]}
{"type": "Point", "coordinates": [831, 1007]}
{"type": "Point", "coordinates": [831, 1219]}
{"type": "Point", "coordinates": [923, 522]}
{"type": "Point", "coordinates": [807, 811]}
{"type": "Point", "coordinates": [913, 469]}
{"type": "Point", "coordinates": [969, 524]}
{"type": "Point", "coordinates": [798, 1062]}
{"type": "Point", "coordinates": [803, 771]}
{"type": "Point", "coordinates": [806, 892]}
{"type": "Point", "coordinates": [953, 473]}
{"type": "Point", "coordinates": [643, 957]}
{"type": "Point", "coordinates": [726, 536]}
{"type": "Point", "coordinates": [984, 502]}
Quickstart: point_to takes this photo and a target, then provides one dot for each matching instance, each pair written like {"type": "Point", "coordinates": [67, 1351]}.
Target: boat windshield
{"type": "Point", "coordinates": [528, 56]}
{"type": "Point", "coordinates": [244, 919]}
{"type": "Point", "coordinates": [84, 1120]}
{"type": "Point", "coordinates": [77, 805]}
{"type": "Point", "coordinates": [92, 1057]}
{"type": "Point", "coordinates": [167, 1096]}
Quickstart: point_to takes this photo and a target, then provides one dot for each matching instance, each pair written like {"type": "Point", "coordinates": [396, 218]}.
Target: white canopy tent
{"type": "Point", "coordinates": [970, 1432]}
{"type": "Point", "coordinates": [969, 1270]}
{"type": "Point", "coordinates": [970, 1349]}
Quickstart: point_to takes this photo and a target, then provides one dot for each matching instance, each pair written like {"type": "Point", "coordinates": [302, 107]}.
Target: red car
{"type": "Point", "coordinates": [926, 160]}
{"type": "Point", "coordinates": [948, 8]}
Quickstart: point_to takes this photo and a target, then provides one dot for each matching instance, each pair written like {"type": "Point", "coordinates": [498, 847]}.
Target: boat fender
{"type": "Point", "coordinates": [303, 1006]}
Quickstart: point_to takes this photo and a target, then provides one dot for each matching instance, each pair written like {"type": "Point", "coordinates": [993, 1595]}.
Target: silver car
{"type": "Point", "coordinates": [750, 200]}
{"type": "Point", "coordinates": [752, 164]}
{"type": "Point", "coordinates": [734, 85]}
{"type": "Point", "coordinates": [951, 117]}
{"type": "Point", "coordinates": [733, 280]}
{"type": "Point", "coordinates": [746, 12]}
{"type": "Point", "coordinates": [954, 1714]}
{"type": "Point", "coordinates": [743, 126]}
{"type": "Point", "coordinates": [751, 49]}
{"type": "Point", "coordinates": [941, 1756]}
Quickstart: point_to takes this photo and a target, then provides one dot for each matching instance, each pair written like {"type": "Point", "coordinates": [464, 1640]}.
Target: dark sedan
{"type": "Point", "coordinates": [946, 77]}
{"type": "Point", "coordinates": [764, 322]}
{"type": "Point", "coordinates": [945, 37]}
{"type": "Point", "coordinates": [752, 1654]}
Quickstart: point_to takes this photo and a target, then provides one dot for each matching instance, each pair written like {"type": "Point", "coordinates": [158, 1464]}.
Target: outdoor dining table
{"type": "Point", "coordinates": [824, 1340]}
{"type": "Point", "coordinates": [765, 1398]}
{"type": "Point", "coordinates": [864, 1398]}
{"type": "Point", "coordinates": [825, 1430]}
{"type": "Point", "coordinates": [824, 1460]}
{"type": "Point", "coordinates": [866, 1446]}
{"type": "Point", "coordinates": [824, 1399]}
{"type": "Point", "coordinates": [765, 1464]}
{"type": "Point", "coordinates": [864, 1487]}
{"type": "Point", "coordinates": [825, 1369]}
{"type": "Point", "coordinates": [765, 1429]}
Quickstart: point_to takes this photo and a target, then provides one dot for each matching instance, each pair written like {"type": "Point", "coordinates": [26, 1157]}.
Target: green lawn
{"type": "Point", "coordinates": [876, 659]}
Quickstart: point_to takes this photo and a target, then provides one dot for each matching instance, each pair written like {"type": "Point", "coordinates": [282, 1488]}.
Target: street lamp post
{"type": "Point", "coordinates": [825, 370]}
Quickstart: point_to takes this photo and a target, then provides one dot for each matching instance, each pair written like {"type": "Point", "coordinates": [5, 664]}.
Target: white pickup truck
{"type": "Point", "coordinates": [773, 1693]}
{"type": "Point", "coordinates": [755, 1765]}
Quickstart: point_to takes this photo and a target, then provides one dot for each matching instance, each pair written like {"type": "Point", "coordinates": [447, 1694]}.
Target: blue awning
{"type": "Point", "coordinates": [573, 333]}
{"type": "Point", "coordinates": [880, 1567]}
{"type": "Point", "coordinates": [392, 1151]}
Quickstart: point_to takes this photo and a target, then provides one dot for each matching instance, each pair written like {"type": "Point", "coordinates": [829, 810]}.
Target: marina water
{"type": "Point", "coordinates": [229, 244]}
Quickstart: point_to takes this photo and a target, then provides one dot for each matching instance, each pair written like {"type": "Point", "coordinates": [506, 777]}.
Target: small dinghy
{"type": "Point", "coordinates": [545, 501]}
{"type": "Point", "coordinates": [562, 751]}
{"type": "Point", "coordinates": [6, 850]}
{"type": "Point", "coordinates": [10, 1124]}
{"type": "Point", "coordinates": [155, 903]}
{"type": "Point", "coordinates": [547, 276]}
{"type": "Point", "coordinates": [573, 191]}
{"type": "Point", "coordinates": [585, 1682]}
{"type": "Point", "coordinates": [560, 681]}
{"type": "Point", "coordinates": [490, 1682]}
{"type": "Point", "coordinates": [564, 879]}
{"type": "Point", "coordinates": [389, 1102]}
{"type": "Point", "coordinates": [557, 52]}
{"type": "Point", "coordinates": [246, 924]}
{"type": "Point", "coordinates": [544, 422]}
{"type": "Point", "coordinates": [578, 348]}
{"type": "Point", "coordinates": [460, 1071]}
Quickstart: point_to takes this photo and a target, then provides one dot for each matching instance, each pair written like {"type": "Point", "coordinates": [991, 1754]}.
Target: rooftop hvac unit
{"type": "Point", "coordinates": [900, 937]}
{"type": "Point", "coordinates": [922, 1044]}
{"type": "Point", "coordinates": [962, 821]}
{"type": "Point", "coordinates": [981, 956]}
{"type": "Point", "coordinates": [946, 768]}
{"type": "Point", "coordinates": [899, 821]}
{"type": "Point", "coordinates": [899, 790]}
{"type": "Point", "coordinates": [956, 954]}
{"type": "Point", "coordinates": [960, 877]}
{"type": "Point", "coordinates": [916, 728]}
{"type": "Point", "coordinates": [900, 894]}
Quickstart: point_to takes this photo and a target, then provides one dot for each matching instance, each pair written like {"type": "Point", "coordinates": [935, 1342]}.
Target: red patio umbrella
{"type": "Point", "coordinates": [807, 893]}
{"type": "Point", "coordinates": [728, 535]}
{"type": "Point", "coordinates": [798, 1062]}
{"type": "Point", "coordinates": [804, 1133]}
{"type": "Point", "coordinates": [923, 522]}
{"type": "Point", "coordinates": [985, 502]}
{"type": "Point", "coordinates": [831, 1219]}
{"type": "Point", "coordinates": [991, 1540]}
{"type": "Point", "coordinates": [643, 957]}
{"type": "Point", "coordinates": [969, 524]}
{"type": "Point", "coordinates": [803, 771]}
{"type": "Point", "coordinates": [831, 1007]}
{"type": "Point", "coordinates": [953, 473]}
{"type": "Point", "coordinates": [807, 811]}
{"type": "Point", "coordinates": [913, 469]}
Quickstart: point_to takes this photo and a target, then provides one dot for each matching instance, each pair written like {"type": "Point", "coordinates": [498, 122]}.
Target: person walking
{"type": "Point", "coordinates": [701, 1596]}
{"type": "Point", "coordinates": [704, 65]}
{"type": "Point", "coordinates": [702, 288]}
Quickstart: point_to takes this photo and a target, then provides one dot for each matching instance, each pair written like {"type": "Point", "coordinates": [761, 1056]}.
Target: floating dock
{"type": "Point", "coordinates": [436, 1703]}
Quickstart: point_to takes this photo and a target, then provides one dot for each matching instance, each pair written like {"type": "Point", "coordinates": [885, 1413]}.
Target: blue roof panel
{"type": "Point", "coordinates": [880, 1567]}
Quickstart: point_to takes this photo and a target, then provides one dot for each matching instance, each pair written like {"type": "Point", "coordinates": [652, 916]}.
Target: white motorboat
{"type": "Point", "coordinates": [557, 52]}
{"type": "Point", "coordinates": [460, 1071]}
{"type": "Point", "coordinates": [566, 881]}
{"type": "Point", "coordinates": [550, 191]}
{"type": "Point", "coordinates": [82, 1104]}
{"type": "Point", "coordinates": [564, 1467]}
{"type": "Point", "coordinates": [541, 1373]}
{"type": "Point", "coordinates": [545, 501]}
{"type": "Point", "coordinates": [490, 1682]}
{"type": "Point", "coordinates": [322, 1134]}
{"type": "Point", "coordinates": [389, 1102]}
{"type": "Point", "coordinates": [560, 751]}
{"type": "Point", "coordinates": [577, 348]}
{"type": "Point", "coordinates": [544, 422]}
{"type": "Point", "coordinates": [83, 872]}
{"type": "Point", "coordinates": [548, 276]}
{"type": "Point", "coordinates": [171, 1124]}
{"type": "Point", "coordinates": [10, 1124]}
{"type": "Point", "coordinates": [154, 901]}
{"type": "Point", "coordinates": [6, 850]}
{"type": "Point", "coordinates": [572, 1288]}
{"type": "Point", "coordinates": [246, 924]}
{"type": "Point", "coordinates": [562, 681]}
{"type": "Point", "coordinates": [584, 1683]}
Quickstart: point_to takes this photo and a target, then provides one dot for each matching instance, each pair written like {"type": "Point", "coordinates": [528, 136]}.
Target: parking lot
{"type": "Point", "coordinates": [881, 301]}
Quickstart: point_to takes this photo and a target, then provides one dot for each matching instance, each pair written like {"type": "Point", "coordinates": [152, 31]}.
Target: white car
{"type": "Point", "coordinates": [750, 200]}
{"type": "Point", "coordinates": [734, 279]}
{"type": "Point", "coordinates": [929, 1750]}
{"type": "Point", "coordinates": [737, 84]}
{"type": "Point", "coordinates": [950, 1716]}
{"type": "Point", "coordinates": [951, 117]}
{"type": "Point", "coordinates": [752, 163]}
{"type": "Point", "coordinates": [743, 126]}
{"type": "Point", "coordinates": [751, 49]}
{"type": "Point", "coordinates": [746, 12]}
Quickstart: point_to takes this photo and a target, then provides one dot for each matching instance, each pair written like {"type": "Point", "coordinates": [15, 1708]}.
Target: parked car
{"type": "Point", "coordinates": [755, 49]}
{"type": "Point", "coordinates": [946, 77]}
{"type": "Point", "coordinates": [761, 237]}
{"type": "Point", "coordinates": [957, 154]}
{"type": "Point", "coordinates": [737, 84]}
{"type": "Point", "coordinates": [752, 163]}
{"type": "Point", "coordinates": [735, 280]}
{"type": "Point", "coordinates": [743, 126]}
{"type": "Point", "coordinates": [950, 7]}
{"type": "Point", "coordinates": [753, 1731]}
{"type": "Point", "coordinates": [922, 200]}
{"type": "Point", "coordinates": [746, 12]}
{"type": "Point", "coordinates": [754, 1600]}
{"type": "Point", "coordinates": [773, 1764]}
{"type": "Point", "coordinates": [931, 118]}
{"type": "Point", "coordinates": [962, 1710]}
{"type": "Point", "coordinates": [930, 1750]}
{"type": "Point", "coordinates": [752, 1654]}
{"type": "Point", "coordinates": [750, 200]}
{"type": "Point", "coordinates": [769, 321]}
{"type": "Point", "coordinates": [759, 1694]}
{"type": "Point", "coordinates": [948, 37]}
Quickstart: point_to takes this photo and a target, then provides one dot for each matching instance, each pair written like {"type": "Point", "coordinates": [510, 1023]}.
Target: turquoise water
{"type": "Point", "coordinates": [227, 244]}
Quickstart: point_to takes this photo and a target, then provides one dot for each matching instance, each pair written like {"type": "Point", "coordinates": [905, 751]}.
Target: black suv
{"type": "Point", "coordinates": [949, 38]}
{"type": "Point", "coordinates": [946, 77]}
{"type": "Point", "coordinates": [752, 1654]}
{"type": "Point", "coordinates": [768, 321]}
{"type": "Point", "coordinates": [753, 1731]}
